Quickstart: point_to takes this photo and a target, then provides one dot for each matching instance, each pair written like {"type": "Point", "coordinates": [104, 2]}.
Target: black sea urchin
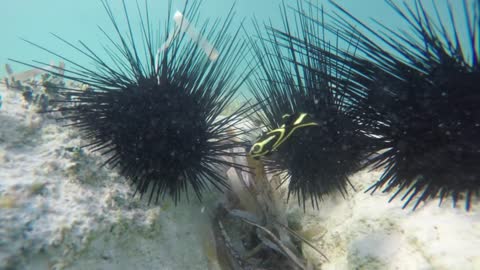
{"type": "Point", "coordinates": [423, 100]}
{"type": "Point", "coordinates": [156, 114]}
{"type": "Point", "coordinates": [296, 78]}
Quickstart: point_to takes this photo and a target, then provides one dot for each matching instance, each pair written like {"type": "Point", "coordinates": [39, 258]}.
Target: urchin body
{"type": "Point", "coordinates": [319, 159]}
{"type": "Point", "coordinates": [433, 134]}
{"type": "Point", "coordinates": [157, 130]}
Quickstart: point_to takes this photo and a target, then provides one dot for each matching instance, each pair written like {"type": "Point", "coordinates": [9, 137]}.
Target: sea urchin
{"type": "Point", "coordinates": [423, 103]}
{"type": "Point", "coordinates": [155, 114]}
{"type": "Point", "coordinates": [306, 94]}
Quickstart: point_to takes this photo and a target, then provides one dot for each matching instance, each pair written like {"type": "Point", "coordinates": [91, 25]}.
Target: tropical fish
{"type": "Point", "coordinates": [271, 140]}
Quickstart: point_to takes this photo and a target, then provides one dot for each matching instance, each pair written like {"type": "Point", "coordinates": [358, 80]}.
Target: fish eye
{"type": "Point", "coordinates": [255, 148]}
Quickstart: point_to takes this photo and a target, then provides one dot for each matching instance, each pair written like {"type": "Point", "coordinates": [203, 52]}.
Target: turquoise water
{"type": "Point", "coordinates": [79, 20]}
{"type": "Point", "coordinates": [34, 20]}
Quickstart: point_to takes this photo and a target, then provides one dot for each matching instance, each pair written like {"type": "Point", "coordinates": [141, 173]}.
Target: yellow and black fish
{"type": "Point", "coordinates": [271, 140]}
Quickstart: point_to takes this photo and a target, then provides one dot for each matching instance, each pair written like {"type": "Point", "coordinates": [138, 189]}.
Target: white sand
{"type": "Point", "coordinates": [58, 210]}
{"type": "Point", "coordinates": [365, 232]}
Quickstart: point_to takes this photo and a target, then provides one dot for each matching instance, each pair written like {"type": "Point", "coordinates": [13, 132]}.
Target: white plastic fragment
{"type": "Point", "coordinates": [186, 27]}
{"type": "Point", "coordinates": [183, 25]}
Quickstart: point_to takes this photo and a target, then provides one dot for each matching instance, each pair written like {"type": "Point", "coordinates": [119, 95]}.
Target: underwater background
{"type": "Point", "coordinates": [61, 208]}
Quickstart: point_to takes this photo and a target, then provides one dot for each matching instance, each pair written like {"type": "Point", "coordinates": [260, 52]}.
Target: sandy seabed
{"type": "Point", "coordinates": [60, 210]}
